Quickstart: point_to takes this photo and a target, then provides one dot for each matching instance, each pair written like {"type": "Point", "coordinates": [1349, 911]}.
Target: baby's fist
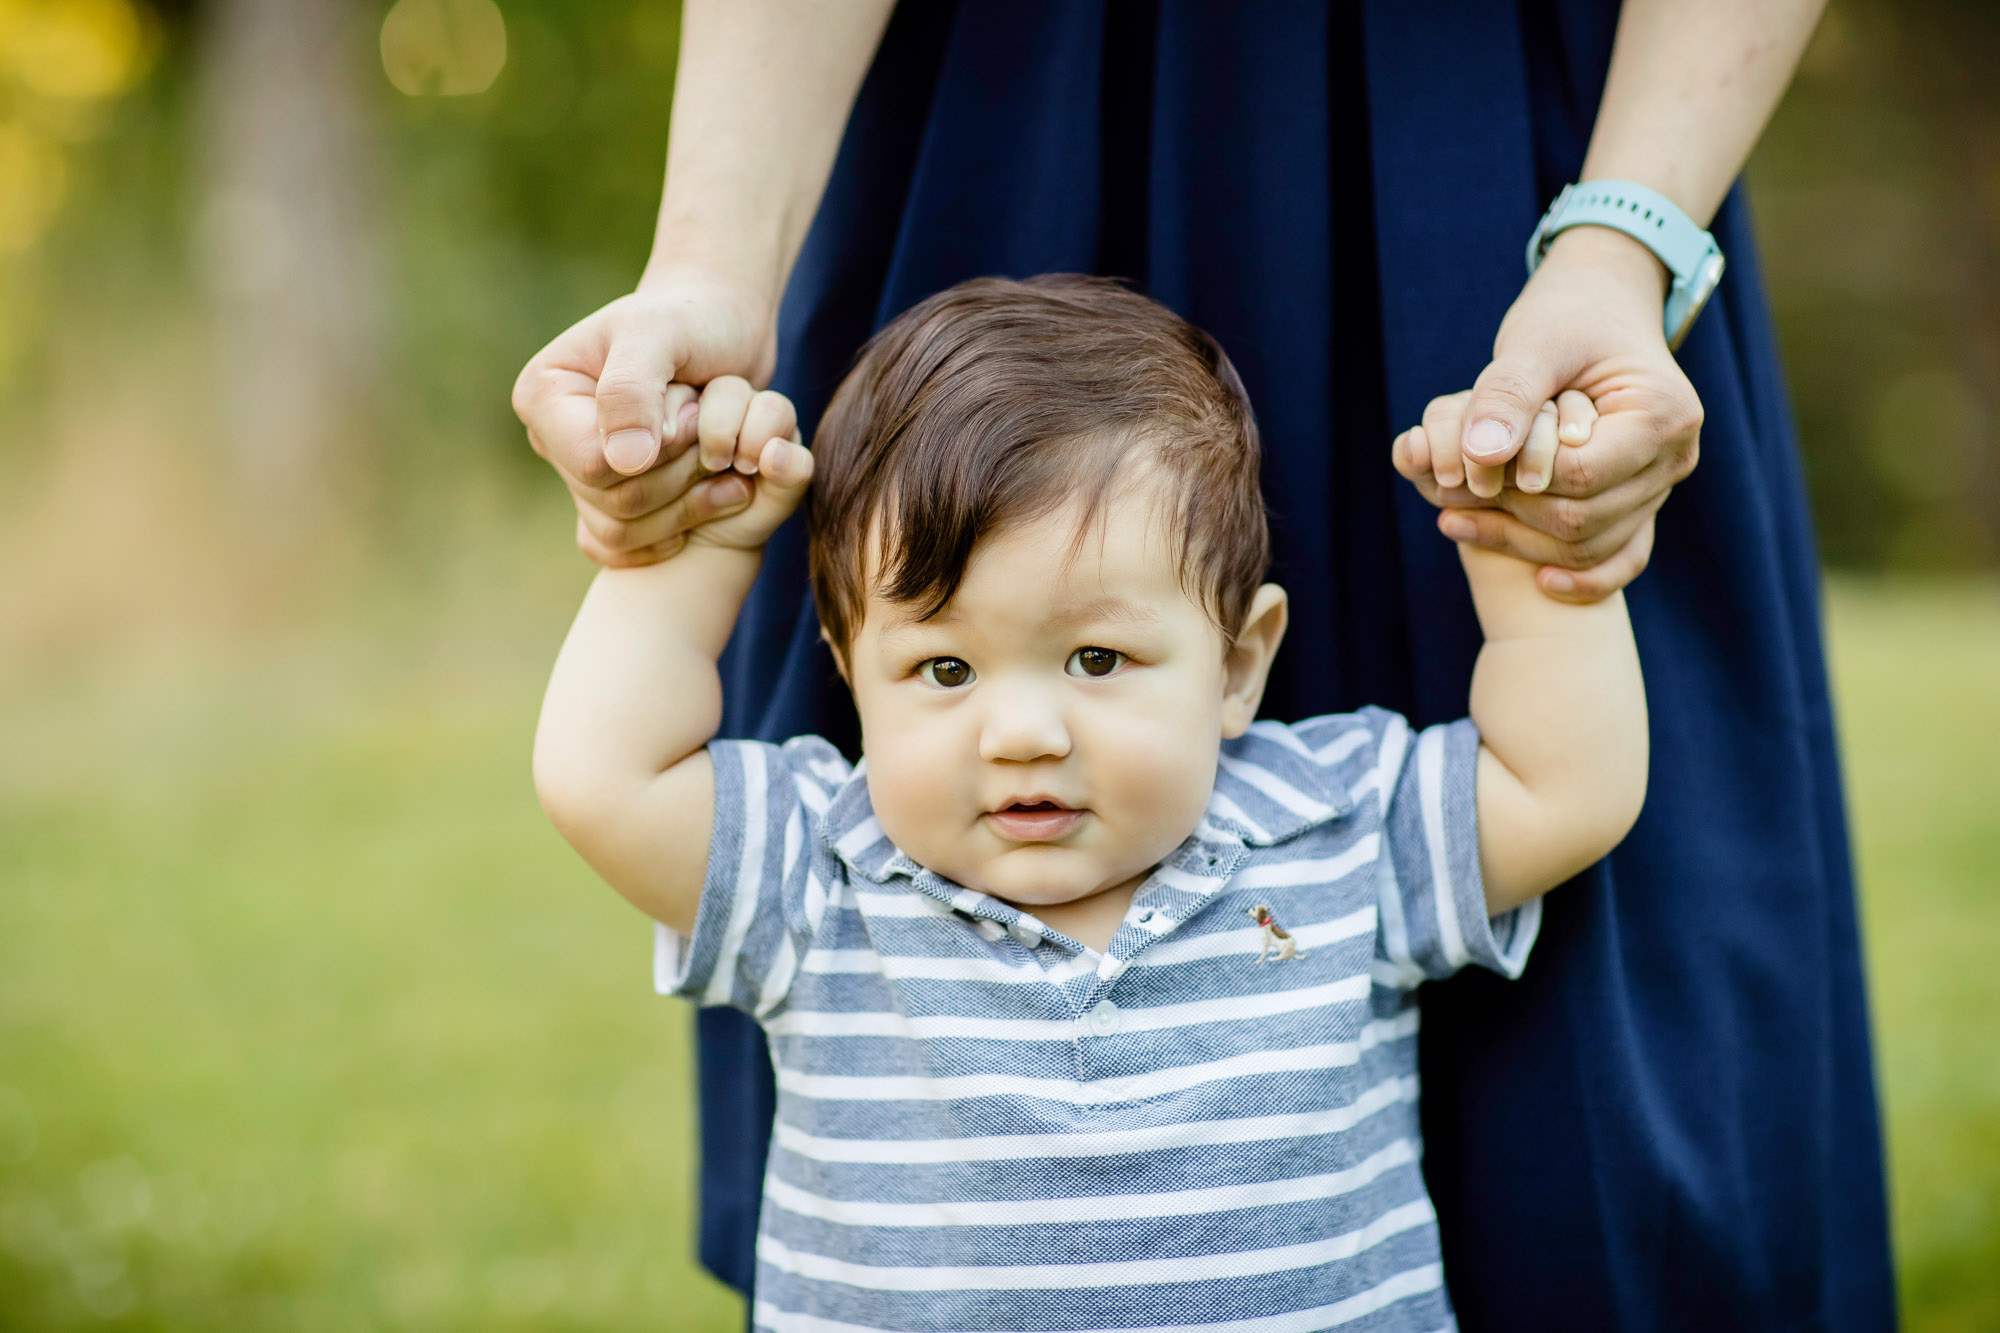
{"type": "Point", "coordinates": [1433, 449]}
{"type": "Point", "coordinates": [756, 435]}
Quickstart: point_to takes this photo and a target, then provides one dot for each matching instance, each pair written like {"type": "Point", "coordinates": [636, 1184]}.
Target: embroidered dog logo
{"type": "Point", "coordinates": [1278, 942]}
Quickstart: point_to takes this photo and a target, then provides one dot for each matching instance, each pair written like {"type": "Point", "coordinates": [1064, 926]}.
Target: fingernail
{"type": "Point", "coordinates": [630, 450]}
{"type": "Point", "coordinates": [1528, 481]}
{"type": "Point", "coordinates": [1458, 527]}
{"type": "Point", "coordinates": [1557, 581]}
{"type": "Point", "coordinates": [729, 494]}
{"type": "Point", "coordinates": [1487, 438]}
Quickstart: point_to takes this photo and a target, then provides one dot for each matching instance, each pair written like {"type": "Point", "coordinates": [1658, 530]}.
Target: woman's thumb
{"type": "Point", "coordinates": [631, 398]}
{"type": "Point", "coordinates": [1505, 399]}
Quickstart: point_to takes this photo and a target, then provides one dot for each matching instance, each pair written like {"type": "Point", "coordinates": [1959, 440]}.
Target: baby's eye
{"type": "Point", "coordinates": [1094, 662]}
{"type": "Point", "coordinates": [948, 672]}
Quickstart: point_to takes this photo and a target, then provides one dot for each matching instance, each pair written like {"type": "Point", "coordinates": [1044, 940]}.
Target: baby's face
{"type": "Point", "coordinates": [1053, 732]}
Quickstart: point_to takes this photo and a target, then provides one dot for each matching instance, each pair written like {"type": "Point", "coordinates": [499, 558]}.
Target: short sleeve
{"type": "Point", "coordinates": [764, 881]}
{"type": "Point", "coordinates": [1432, 900]}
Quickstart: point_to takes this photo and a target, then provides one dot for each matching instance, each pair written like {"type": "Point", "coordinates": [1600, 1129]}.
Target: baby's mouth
{"type": "Point", "coordinates": [1034, 821]}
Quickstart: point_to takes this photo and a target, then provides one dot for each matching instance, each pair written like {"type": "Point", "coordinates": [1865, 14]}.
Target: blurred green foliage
{"type": "Point", "coordinates": [1877, 193]}
{"type": "Point", "coordinates": [517, 212]}
{"type": "Point", "coordinates": [498, 219]}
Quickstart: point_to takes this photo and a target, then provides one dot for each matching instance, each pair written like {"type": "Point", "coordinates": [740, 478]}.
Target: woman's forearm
{"type": "Point", "coordinates": [1692, 83]}
{"type": "Point", "coordinates": [761, 97]}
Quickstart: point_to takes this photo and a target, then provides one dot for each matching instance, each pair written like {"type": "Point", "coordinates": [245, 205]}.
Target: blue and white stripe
{"type": "Point", "coordinates": [984, 1125]}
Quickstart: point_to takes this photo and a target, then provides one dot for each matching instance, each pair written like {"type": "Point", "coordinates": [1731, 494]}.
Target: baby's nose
{"type": "Point", "coordinates": [1020, 726]}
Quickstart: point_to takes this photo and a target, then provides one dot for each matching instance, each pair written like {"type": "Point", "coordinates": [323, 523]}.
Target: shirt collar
{"type": "Point", "coordinates": [856, 836]}
{"type": "Point", "coordinates": [1269, 787]}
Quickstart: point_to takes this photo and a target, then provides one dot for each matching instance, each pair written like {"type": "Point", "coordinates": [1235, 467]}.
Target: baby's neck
{"type": "Point", "coordinates": [1092, 920]}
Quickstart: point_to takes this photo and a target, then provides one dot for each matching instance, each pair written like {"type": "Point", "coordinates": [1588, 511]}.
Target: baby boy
{"type": "Point", "coordinates": [1091, 998]}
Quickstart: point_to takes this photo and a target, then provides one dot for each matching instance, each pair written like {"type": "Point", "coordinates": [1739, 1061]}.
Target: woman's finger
{"type": "Point", "coordinates": [632, 394]}
{"type": "Point", "coordinates": [599, 554]}
{"type": "Point", "coordinates": [1510, 391]}
{"type": "Point", "coordinates": [709, 498]}
{"type": "Point", "coordinates": [635, 497]}
{"type": "Point", "coordinates": [1498, 530]}
{"type": "Point", "coordinates": [724, 400]}
{"type": "Point", "coordinates": [1575, 415]}
{"type": "Point", "coordinates": [1621, 446]}
{"type": "Point", "coordinates": [1538, 455]}
{"type": "Point", "coordinates": [555, 396]}
{"type": "Point", "coordinates": [1601, 580]}
{"type": "Point", "coordinates": [1585, 521]}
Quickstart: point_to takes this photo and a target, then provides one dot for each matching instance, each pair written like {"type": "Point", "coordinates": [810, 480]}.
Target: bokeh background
{"type": "Point", "coordinates": [307, 1021]}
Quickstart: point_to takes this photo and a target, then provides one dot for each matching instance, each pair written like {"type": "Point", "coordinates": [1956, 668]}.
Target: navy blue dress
{"type": "Point", "coordinates": [1670, 1122]}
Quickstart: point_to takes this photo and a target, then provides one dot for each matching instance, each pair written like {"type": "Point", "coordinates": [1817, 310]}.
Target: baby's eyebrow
{"type": "Point", "coordinates": [1098, 610]}
{"type": "Point", "coordinates": [1116, 609]}
{"type": "Point", "coordinates": [908, 622]}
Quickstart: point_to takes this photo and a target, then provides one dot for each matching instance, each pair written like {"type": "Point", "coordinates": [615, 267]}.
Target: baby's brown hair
{"type": "Point", "coordinates": [996, 402]}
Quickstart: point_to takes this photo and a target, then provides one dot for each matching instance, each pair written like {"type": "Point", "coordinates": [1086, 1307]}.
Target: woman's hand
{"type": "Point", "coordinates": [1588, 320]}
{"type": "Point", "coordinates": [761, 95]}
{"type": "Point", "coordinates": [610, 405]}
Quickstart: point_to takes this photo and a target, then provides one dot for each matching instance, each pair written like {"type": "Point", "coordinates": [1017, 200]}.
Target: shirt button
{"type": "Point", "coordinates": [989, 930]}
{"type": "Point", "coordinates": [1025, 932]}
{"type": "Point", "coordinates": [1146, 917]}
{"type": "Point", "coordinates": [1103, 1020]}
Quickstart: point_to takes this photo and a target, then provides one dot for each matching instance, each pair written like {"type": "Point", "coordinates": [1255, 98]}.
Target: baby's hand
{"type": "Point", "coordinates": [1434, 446]}
{"type": "Point", "coordinates": [756, 435]}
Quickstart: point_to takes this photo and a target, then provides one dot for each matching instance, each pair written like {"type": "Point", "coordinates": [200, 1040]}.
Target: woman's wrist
{"type": "Point", "coordinates": [725, 285]}
{"type": "Point", "coordinates": [741, 264]}
{"type": "Point", "coordinates": [1614, 259]}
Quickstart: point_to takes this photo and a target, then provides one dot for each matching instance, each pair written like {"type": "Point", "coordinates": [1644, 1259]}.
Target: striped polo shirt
{"type": "Point", "coordinates": [984, 1124]}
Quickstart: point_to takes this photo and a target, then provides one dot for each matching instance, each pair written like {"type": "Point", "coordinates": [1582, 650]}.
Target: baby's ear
{"type": "Point", "coordinates": [839, 658]}
{"type": "Point", "coordinates": [1247, 665]}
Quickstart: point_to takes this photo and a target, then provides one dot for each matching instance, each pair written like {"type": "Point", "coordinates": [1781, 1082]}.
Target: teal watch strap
{"type": "Point", "coordinates": [1651, 219]}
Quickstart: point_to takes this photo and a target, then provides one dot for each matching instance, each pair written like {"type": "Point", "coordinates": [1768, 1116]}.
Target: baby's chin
{"type": "Point", "coordinates": [1051, 888]}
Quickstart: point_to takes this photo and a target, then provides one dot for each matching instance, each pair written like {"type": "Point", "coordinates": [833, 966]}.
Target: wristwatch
{"type": "Point", "coordinates": [1651, 219]}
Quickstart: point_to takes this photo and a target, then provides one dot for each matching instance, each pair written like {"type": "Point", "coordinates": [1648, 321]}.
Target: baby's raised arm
{"type": "Point", "coordinates": [620, 760]}
{"type": "Point", "coordinates": [1561, 710]}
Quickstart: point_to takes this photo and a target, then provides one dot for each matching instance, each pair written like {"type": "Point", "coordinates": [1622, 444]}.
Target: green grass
{"type": "Point", "coordinates": [1916, 673]}
{"type": "Point", "coordinates": [307, 1021]}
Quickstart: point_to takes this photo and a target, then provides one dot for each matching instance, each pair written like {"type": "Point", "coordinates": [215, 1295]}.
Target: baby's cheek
{"type": "Point", "coordinates": [1164, 771]}
{"type": "Point", "coordinates": [914, 781]}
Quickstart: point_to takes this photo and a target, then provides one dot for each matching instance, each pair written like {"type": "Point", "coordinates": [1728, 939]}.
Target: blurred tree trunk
{"type": "Point", "coordinates": [290, 252]}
